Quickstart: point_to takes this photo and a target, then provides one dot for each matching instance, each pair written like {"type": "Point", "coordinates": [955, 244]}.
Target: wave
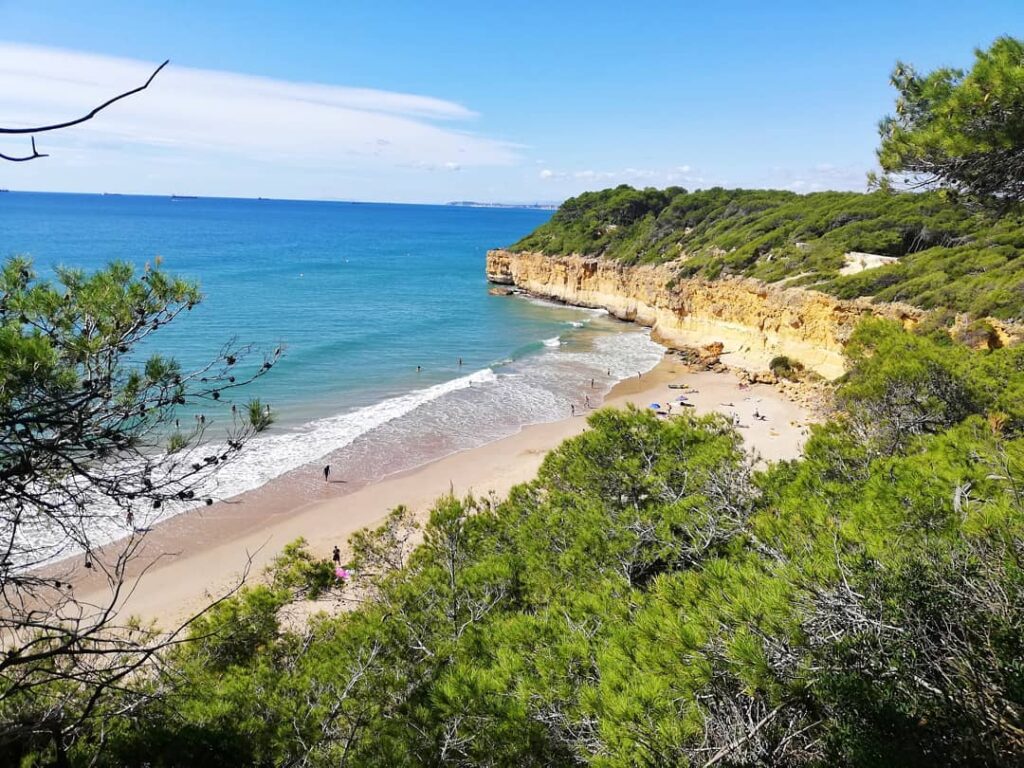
{"type": "Point", "coordinates": [424, 424]}
{"type": "Point", "coordinates": [279, 453]}
{"type": "Point", "coordinates": [536, 388]}
{"type": "Point", "coordinates": [542, 302]}
{"type": "Point", "coordinates": [266, 458]}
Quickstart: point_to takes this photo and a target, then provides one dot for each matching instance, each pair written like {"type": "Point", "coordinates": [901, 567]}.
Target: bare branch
{"type": "Point", "coordinates": [22, 159]}
{"type": "Point", "coordinates": [90, 115]}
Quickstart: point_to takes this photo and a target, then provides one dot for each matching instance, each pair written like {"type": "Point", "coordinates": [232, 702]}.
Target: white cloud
{"type": "Point", "coordinates": [590, 179]}
{"type": "Point", "coordinates": [204, 114]}
{"type": "Point", "coordinates": [821, 177]}
{"type": "Point", "coordinates": [816, 178]}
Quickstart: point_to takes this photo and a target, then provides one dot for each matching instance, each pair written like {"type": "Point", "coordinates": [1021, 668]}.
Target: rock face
{"type": "Point", "coordinates": [752, 320]}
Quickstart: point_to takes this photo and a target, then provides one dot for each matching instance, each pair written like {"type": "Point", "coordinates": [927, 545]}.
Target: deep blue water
{"type": "Point", "coordinates": [359, 295]}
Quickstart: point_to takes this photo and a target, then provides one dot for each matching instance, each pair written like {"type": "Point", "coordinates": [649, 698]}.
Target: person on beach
{"type": "Point", "coordinates": [638, 375]}
{"type": "Point", "coordinates": [572, 409]}
{"type": "Point", "coordinates": [327, 472]}
{"type": "Point", "coordinates": [460, 362]}
{"type": "Point", "coordinates": [418, 369]}
{"type": "Point", "coordinates": [336, 555]}
{"type": "Point", "coordinates": [586, 400]}
{"type": "Point", "coordinates": [591, 383]}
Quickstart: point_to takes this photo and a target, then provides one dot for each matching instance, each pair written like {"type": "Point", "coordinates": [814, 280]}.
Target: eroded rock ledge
{"type": "Point", "coordinates": [754, 321]}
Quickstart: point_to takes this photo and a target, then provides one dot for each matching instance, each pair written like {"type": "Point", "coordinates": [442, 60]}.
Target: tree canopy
{"type": "Point", "coordinates": [961, 130]}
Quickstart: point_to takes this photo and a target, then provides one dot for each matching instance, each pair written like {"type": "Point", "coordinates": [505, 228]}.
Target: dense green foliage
{"type": "Point", "coordinates": [949, 257]}
{"type": "Point", "coordinates": [650, 599]}
{"type": "Point", "coordinates": [963, 130]}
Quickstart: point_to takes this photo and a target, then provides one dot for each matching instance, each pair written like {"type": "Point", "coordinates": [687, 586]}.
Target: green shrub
{"type": "Point", "coordinates": [785, 368]}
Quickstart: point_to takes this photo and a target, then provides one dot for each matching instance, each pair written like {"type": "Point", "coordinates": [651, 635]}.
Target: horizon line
{"type": "Point", "coordinates": [175, 195]}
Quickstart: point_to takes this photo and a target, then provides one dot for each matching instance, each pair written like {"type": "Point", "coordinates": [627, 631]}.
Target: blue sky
{"type": "Point", "coordinates": [428, 102]}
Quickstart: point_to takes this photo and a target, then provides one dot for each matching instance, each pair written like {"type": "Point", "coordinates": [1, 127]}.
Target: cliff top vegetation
{"type": "Point", "coordinates": [949, 256]}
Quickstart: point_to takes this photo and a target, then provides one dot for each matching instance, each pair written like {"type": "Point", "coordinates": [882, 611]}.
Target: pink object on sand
{"type": "Point", "coordinates": [342, 574]}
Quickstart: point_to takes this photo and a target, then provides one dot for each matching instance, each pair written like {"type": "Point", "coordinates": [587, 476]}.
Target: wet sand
{"type": "Point", "coordinates": [200, 554]}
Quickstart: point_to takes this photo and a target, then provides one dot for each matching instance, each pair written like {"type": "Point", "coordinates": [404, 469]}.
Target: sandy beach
{"type": "Point", "coordinates": [200, 554]}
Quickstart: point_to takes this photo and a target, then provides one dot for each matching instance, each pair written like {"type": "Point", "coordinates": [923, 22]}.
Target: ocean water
{"type": "Point", "coordinates": [358, 295]}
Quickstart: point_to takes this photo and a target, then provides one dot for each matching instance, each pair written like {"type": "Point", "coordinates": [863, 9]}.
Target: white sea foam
{"type": "Point", "coordinates": [542, 302]}
{"type": "Point", "coordinates": [276, 454]}
{"type": "Point", "coordinates": [427, 423]}
{"type": "Point", "coordinates": [269, 456]}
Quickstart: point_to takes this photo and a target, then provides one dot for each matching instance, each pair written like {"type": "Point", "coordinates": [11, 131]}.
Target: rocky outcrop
{"type": "Point", "coordinates": [752, 320]}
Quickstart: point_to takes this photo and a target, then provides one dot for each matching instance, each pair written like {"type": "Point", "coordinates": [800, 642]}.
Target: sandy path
{"type": "Point", "coordinates": [200, 554]}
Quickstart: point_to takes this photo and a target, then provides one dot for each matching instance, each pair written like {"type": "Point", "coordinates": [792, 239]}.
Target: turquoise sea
{"type": "Point", "coordinates": [359, 295]}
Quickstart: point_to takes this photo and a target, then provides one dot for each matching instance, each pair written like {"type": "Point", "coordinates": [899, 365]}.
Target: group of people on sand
{"type": "Point", "coordinates": [758, 416]}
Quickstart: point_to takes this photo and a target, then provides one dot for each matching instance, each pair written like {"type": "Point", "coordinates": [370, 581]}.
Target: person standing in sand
{"type": "Point", "coordinates": [336, 555]}
{"type": "Point", "coordinates": [327, 472]}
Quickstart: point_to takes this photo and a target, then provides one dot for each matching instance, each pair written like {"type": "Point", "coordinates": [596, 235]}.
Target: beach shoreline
{"type": "Point", "coordinates": [195, 556]}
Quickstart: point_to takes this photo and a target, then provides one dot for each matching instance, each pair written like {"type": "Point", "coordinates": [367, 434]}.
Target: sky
{"type": "Point", "coordinates": [438, 101]}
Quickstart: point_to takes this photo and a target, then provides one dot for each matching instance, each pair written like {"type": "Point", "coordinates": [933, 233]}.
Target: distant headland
{"type": "Point", "coordinates": [534, 206]}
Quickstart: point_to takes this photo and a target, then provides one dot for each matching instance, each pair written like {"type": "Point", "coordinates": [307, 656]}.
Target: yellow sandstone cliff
{"type": "Point", "coordinates": [754, 321]}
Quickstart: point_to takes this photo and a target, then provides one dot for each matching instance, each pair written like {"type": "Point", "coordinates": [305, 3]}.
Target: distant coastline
{"type": "Point", "coordinates": [532, 206]}
{"type": "Point", "coordinates": [546, 206]}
